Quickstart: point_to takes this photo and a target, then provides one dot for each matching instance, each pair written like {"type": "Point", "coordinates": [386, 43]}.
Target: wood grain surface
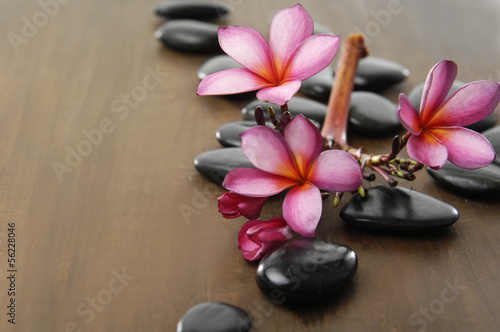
{"type": "Point", "coordinates": [116, 231]}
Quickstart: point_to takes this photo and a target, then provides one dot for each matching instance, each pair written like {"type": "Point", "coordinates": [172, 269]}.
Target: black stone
{"type": "Point", "coordinates": [372, 114]}
{"type": "Point", "coordinates": [215, 317]}
{"type": "Point", "coordinates": [374, 73]}
{"type": "Point", "coordinates": [216, 64]}
{"type": "Point", "coordinates": [306, 270]}
{"type": "Point", "coordinates": [217, 163]}
{"type": "Point", "coordinates": [493, 135]}
{"type": "Point", "coordinates": [311, 109]}
{"type": "Point", "coordinates": [482, 182]}
{"type": "Point", "coordinates": [415, 97]}
{"type": "Point", "coordinates": [229, 133]}
{"type": "Point", "coordinates": [191, 9]}
{"type": "Point", "coordinates": [398, 209]}
{"type": "Point", "coordinates": [189, 36]}
{"type": "Point", "coordinates": [319, 86]}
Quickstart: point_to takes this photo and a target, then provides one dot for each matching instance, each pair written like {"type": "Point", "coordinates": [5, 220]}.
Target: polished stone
{"type": "Point", "coordinates": [216, 64]}
{"type": "Point", "coordinates": [373, 74]}
{"type": "Point", "coordinates": [217, 163]}
{"type": "Point", "coordinates": [228, 134]}
{"type": "Point", "coordinates": [398, 209]}
{"type": "Point", "coordinates": [322, 29]}
{"type": "Point", "coordinates": [415, 97]}
{"type": "Point", "coordinates": [372, 115]}
{"type": "Point", "coordinates": [306, 270]}
{"type": "Point", "coordinates": [493, 135]}
{"type": "Point", "coordinates": [189, 36]}
{"type": "Point", "coordinates": [215, 317]}
{"type": "Point", "coordinates": [192, 9]}
{"type": "Point", "coordinates": [376, 73]}
{"type": "Point", "coordinates": [319, 86]}
{"type": "Point", "coordinates": [311, 109]}
{"type": "Point", "coordinates": [481, 183]}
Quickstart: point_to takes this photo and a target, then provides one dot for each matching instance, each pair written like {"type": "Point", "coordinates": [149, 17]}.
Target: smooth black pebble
{"type": "Point", "coordinates": [192, 9]}
{"type": "Point", "coordinates": [306, 270]}
{"type": "Point", "coordinates": [311, 109]}
{"type": "Point", "coordinates": [319, 86]}
{"type": "Point", "coordinates": [217, 163]}
{"type": "Point", "coordinates": [374, 73]}
{"type": "Point", "coordinates": [493, 135]}
{"type": "Point", "coordinates": [415, 97]}
{"type": "Point", "coordinates": [215, 317]}
{"type": "Point", "coordinates": [482, 182]}
{"type": "Point", "coordinates": [372, 115]}
{"type": "Point", "coordinates": [398, 209]}
{"type": "Point", "coordinates": [189, 36]}
{"type": "Point", "coordinates": [228, 134]}
{"type": "Point", "coordinates": [216, 64]}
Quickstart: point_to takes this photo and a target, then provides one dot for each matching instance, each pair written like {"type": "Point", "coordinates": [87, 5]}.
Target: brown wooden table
{"type": "Point", "coordinates": [116, 231]}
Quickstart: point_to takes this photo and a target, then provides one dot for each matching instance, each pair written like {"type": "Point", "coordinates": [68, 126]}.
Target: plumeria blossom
{"type": "Point", "coordinates": [293, 161]}
{"type": "Point", "coordinates": [258, 237]}
{"type": "Point", "coordinates": [232, 205]}
{"type": "Point", "coordinates": [437, 132]}
{"type": "Point", "coordinates": [278, 68]}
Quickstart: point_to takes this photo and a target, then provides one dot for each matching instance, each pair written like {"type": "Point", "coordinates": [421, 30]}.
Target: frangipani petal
{"type": "Point", "coordinates": [281, 94]}
{"type": "Point", "coordinates": [427, 150]}
{"type": "Point", "coordinates": [304, 141]}
{"type": "Point", "coordinates": [249, 48]}
{"type": "Point", "coordinates": [302, 209]}
{"type": "Point", "coordinates": [336, 170]}
{"type": "Point", "coordinates": [244, 242]}
{"type": "Point", "coordinates": [471, 103]}
{"type": "Point", "coordinates": [230, 81]}
{"type": "Point", "coordinates": [266, 149]}
{"type": "Point", "coordinates": [436, 88]}
{"type": "Point", "coordinates": [321, 48]}
{"type": "Point", "coordinates": [253, 182]}
{"type": "Point", "coordinates": [466, 148]}
{"type": "Point", "coordinates": [289, 27]}
{"type": "Point", "coordinates": [408, 115]}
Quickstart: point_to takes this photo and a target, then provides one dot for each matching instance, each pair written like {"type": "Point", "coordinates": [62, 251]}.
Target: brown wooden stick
{"type": "Point", "coordinates": [335, 124]}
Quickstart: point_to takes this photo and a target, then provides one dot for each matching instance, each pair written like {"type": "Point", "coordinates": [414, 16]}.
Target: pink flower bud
{"type": "Point", "coordinates": [233, 205]}
{"type": "Point", "coordinates": [258, 237]}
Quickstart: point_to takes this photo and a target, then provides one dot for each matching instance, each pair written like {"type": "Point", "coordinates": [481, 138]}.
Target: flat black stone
{"type": "Point", "coordinates": [189, 36]}
{"type": "Point", "coordinates": [215, 317]}
{"type": "Point", "coordinates": [398, 209]}
{"type": "Point", "coordinates": [372, 115]}
{"type": "Point", "coordinates": [415, 97]}
{"type": "Point", "coordinates": [217, 163]}
{"type": "Point", "coordinates": [228, 134]}
{"type": "Point", "coordinates": [306, 270]}
{"type": "Point", "coordinates": [311, 109]}
{"type": "Point", "coordinates": [480, 183]}
{"type": "Point", "coordinates": [493, 135]}
{"type": "Point", "coordinates": [374, 73]}
{"type": "Point", "coordinates": [319, 86]}
{"type": "Point", "coordinates": [192, 9]}
{"type": "Point", "coordinates": [216, 64]}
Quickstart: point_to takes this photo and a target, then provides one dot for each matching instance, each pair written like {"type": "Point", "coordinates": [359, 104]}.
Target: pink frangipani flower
{"type": "Point", "coordinates": [232, 205]}
{"type": "Point", "coordinates": [437, 132]}
{"type": "Point", "coordinates": [293, 161]}
{"type": "Point", "coordinates": [258, 237]}
{"type": "Point", "coordinates": [278, 68]}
